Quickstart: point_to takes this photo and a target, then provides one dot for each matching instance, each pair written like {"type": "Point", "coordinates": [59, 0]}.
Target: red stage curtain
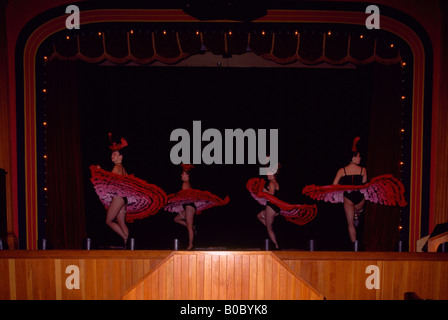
{"type": "Point", "coordinates": [5, 140]}
{"type": "Point", "coordinates": [65, 222]}
{"type": "Point", "coordinates": [381, 231]}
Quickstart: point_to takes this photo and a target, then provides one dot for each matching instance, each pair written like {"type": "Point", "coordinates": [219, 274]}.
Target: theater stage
{"type": "Point", "coordinates": [220, 275]}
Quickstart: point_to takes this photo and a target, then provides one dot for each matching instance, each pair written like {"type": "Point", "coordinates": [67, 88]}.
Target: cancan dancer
{"type": "Point", "coordinates": [189, 202]}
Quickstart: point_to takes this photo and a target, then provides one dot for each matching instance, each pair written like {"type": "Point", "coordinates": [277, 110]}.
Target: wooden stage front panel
{"type": "Point", "coordinates": [108, 274]}
{"type": "Point", "coordinates": [103, 275]}
{"type": "Point", "coordinates": [343, 275]}
{"type": "Point", "coordinates": [232, 275]}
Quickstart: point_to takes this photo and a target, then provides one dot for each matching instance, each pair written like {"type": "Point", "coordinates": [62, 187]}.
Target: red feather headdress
{"type": "Point", "coordinates": [355, 142]}
{"type": "Point", "coordinates": [186, 167]}
{"type": "Point", "coordinates": [117, 146]}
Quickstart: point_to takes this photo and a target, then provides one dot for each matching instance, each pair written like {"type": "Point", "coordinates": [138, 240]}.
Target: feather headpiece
{"type": "Point", "coordinates": [117, 146]}
{"type": "Point", "coordinates": [186, 167]}
{"type": "Point", "coordinates": [355, 142]}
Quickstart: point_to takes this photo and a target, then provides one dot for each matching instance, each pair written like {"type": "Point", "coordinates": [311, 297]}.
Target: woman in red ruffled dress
{"type": "Point", "coordinates": [350, 187]}
{"type": "Point", "coordinates": [268, 214]}
{"type": "Point", "coordinates": [189, 202]}
{"type": "Point", "coordinates": [186, 216]}
{"type": "Point", "coordinates": [265, 191]}
{"type": "Point", "coordinates": [116, 213]}
{"type": "Point", "coordinates": [125, 196]}
{"type": "Point", "coordinates": [352, 174]}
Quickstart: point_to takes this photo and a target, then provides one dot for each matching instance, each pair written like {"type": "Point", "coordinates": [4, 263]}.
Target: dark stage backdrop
{"type": "Point", "coordinates": [317, 112]}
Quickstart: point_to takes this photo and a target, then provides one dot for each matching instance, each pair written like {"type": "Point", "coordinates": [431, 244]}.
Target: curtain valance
{"type": "Point", "coordinates": [145, 47]}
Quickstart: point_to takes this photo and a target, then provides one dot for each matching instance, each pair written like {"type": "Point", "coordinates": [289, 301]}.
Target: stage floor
{"type": "Point", "coordinates": [220, 275]}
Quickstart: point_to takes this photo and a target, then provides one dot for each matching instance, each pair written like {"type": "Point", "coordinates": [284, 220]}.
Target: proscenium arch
{"type": "Point", "coordinates": [30, 186]}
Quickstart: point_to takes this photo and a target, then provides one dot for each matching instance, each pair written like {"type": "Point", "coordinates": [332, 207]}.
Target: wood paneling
{"type": "Point", "coordinates": [434, 242]}
{"type": "Point", "coordinates": [222, 276]}
{"type": "Point", "coordinates": [226, 275]}
{"type": "Point", "coordinates": [39, 275]}
{"type": "Point", "coordinates": [342, 275]}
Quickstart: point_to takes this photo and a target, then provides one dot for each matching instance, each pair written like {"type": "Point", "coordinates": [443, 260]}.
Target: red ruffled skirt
{"type": "Point", "coordinates": [202, 200]}
{"type": "Point", "coordinates": [143, 199]}
{"type": "Point", "coordinates": [299, 214]}
{"type": "Point", "coordinates": [384, 189]}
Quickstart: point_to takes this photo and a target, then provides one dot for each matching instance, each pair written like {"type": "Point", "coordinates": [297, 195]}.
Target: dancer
{"type": "Point", "coordinates": [351, 188]}
{"type": "Point", "coordinates": [186, 216]}
{"type": "Point", "coordinates": [116, 213]}
{"type": "Point", "coordinates": [299, 214]}
{"type": "Point", "coordinates": [352, 174]}
{"type": "Point", "coordinates": [189, 202]}
{"type": "Point", "coordinates": [268, 214]}
{"type": "Point", "coordinates": [124, 196]}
